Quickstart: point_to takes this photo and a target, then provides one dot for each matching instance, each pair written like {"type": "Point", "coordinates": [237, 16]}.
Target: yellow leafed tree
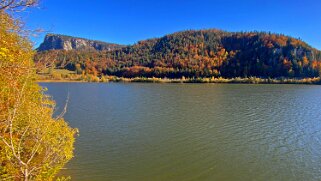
{"type": "Point", "coordinates": [33, 144]}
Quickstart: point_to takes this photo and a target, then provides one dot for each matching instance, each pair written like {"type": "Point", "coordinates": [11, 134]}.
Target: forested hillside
{"type": "Point", "coordinates": [203, 53]}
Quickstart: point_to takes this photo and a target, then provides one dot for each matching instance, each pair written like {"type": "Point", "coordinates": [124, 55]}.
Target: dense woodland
{"type": "Point", "coordinates": [204, 53]}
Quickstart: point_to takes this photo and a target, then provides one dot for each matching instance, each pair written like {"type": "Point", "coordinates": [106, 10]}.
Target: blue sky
{"type": "Point", "coordinates": [128, 21]}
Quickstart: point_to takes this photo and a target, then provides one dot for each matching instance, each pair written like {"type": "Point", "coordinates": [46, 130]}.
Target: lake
{"type": "Point", "coordinates": [138, 131]}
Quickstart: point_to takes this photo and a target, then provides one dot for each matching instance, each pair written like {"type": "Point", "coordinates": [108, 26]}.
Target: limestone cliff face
{"type": "Point", "coordinates": [63, 42]}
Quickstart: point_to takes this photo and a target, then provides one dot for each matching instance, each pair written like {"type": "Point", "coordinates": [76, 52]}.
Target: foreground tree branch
{"type": "Point", "coordinates": [16, 5]}
{"type": "Point", "coordinates": [33, 144]}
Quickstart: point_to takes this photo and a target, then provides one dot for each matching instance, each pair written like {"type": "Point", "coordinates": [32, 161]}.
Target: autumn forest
{"type": "Point", "coordinates": [203, 53]}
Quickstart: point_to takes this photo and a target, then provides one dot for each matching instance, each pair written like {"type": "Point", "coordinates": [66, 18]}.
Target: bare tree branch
{"type": "Point", "coordinates": [64, 110]}
{"type": "Point", "coordinates": [16, 5]}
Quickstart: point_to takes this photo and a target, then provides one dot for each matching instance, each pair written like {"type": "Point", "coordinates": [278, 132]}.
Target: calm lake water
{"type": "Point", "coordinates": [193, 131]}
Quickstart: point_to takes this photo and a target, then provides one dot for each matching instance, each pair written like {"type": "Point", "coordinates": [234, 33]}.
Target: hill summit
{"type": "Point", "coordinates": [63, 42]}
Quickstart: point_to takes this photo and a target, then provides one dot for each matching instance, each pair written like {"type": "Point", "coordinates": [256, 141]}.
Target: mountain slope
{"type": "Point", "coordinates": [63, 42]}
{"type": "Point", "coordinates": [203, 53]}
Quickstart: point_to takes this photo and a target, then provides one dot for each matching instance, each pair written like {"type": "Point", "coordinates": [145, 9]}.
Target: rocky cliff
{"type": "Point", "coordinates": [63, 42]}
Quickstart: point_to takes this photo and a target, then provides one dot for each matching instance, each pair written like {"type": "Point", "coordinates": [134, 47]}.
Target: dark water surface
{"type": "Point", "coordinates": [193, 131]}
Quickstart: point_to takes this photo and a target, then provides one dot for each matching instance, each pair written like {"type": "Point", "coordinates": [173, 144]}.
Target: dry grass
{"type": "Point", "coordinates": [59, 75]}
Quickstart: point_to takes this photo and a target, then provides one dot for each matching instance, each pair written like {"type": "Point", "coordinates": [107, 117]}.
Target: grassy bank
{"type": "Point", "coordinates": [70, 76]}
{"type": "Point", "coordinates": [249, 80]}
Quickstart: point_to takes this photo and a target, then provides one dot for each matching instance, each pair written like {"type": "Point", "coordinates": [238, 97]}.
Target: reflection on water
{"type": "Point", "coordinates": [193, 131]}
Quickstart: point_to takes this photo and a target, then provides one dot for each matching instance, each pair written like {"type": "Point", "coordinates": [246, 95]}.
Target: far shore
{"type": "Point", "coordinates": [237, 80]}
{"type": "Point", "coordinates": [57, 81]}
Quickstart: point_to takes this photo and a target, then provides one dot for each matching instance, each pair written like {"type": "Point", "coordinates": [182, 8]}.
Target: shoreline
{"type": "Point", "coordinates": [220, 80]}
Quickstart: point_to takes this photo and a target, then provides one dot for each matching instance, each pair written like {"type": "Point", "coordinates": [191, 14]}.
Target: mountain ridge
{"type": "Point", "coordinates": [201, 53]}
{"type": "Point", "coordinates": [66, 42]}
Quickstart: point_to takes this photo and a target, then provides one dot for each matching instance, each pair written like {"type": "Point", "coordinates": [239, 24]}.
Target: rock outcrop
{"type": "Point", "coordinates": [63, 42]}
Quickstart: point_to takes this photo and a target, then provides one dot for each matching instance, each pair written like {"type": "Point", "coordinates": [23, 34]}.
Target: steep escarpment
{"type": "Point", "coordinates": [63, 42]}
